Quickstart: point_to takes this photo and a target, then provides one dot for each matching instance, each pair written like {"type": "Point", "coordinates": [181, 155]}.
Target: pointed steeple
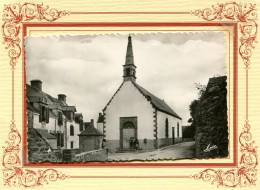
{"type": "Point", "coordinates": [129, 67]}
{"type": "Point", "coordinates": [129, 52]}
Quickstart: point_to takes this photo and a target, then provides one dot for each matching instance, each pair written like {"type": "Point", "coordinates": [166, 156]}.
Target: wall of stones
{"type": "Point", "coordinates": [69, 155]}
{"type": "Point", "coordinates": [211, 120]}
{"type": "Point", "coordinates": [38, 148]}
{"type": "Point", "coordinates": [92, 156]}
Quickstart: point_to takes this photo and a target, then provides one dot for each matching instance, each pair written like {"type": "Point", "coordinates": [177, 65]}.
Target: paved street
{"type": "Point", "coordinates": [178, 151]}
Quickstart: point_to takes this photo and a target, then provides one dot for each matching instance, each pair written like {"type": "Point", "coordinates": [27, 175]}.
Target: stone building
{"type": "Point", "coordinates": [90, 139]}
{"type": "Point", "coordinates": [52, 117]}
{"type": "Point", "coordinates": [135, 112]}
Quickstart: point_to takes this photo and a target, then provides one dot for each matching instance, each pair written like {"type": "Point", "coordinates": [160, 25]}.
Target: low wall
{"type": "Point", "coordinates": [69, 155]}
{"type": "Point", "coordinates": [92, 156]}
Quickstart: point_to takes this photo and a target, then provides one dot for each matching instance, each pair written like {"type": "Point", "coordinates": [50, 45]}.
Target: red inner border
{"type": "Point", "coordinates": [145, 164]}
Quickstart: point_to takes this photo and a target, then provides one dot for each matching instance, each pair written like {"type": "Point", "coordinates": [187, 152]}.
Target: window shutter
{"type": "Point", "coordinates": [58, 139]}
{"type": "Point", "coordinates": [62, 140]}
{"type": "Point", "coordinates": [81, 125]}
{"type": "Point", "coordinates": [40, 116]}
{"type": "Point", "coordinates": [61, 116]}
{"type": "Point", "coordinates": [178, 133]}
{"type": "Point", "coordinates": [60, 119]}
{"type": "Point", "coordinates": [47, 115]}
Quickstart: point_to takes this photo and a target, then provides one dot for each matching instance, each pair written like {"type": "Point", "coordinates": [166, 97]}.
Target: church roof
{"type": "Point", "coordinates": [156, 102]}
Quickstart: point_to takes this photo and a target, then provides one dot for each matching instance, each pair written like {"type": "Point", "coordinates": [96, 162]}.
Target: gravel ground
{"type": "Point", "coordinates": [178, 151]}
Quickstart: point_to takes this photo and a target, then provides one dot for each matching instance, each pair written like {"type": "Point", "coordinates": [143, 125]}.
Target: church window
{"type": "Point", "coordinates": [166, 128]}
{"type": "Point", "coordinates": [128, 124]}
{"type": "Point", "coordinates": [71, 130]}
{"type": "Point", "coordinates": [178, 130]}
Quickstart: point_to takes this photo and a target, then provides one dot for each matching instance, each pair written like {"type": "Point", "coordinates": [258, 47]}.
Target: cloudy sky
{"type": "Point", "coordinates": [88, 68]}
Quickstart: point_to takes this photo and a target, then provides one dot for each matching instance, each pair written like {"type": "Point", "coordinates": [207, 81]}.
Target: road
{"type": "Point", "coordinates": [178, 151]}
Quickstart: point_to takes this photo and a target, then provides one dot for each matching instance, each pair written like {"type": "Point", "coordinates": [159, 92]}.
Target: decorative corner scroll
{"type": "Point", "coordinates": [14, 15]}
{"type": "Point", "coordinates": [246, 173]}
{"type": "Point", "coordinates": [244, 14]}
{"type": "Point", "coordinates": [13, 172]}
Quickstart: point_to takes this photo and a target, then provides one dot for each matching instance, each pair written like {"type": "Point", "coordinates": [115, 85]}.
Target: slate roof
{"type": "Point", "coordinates": [44, 133]}
{"type": "Point", "coordinates": [34, 95]}
{"type": "Point", "coordinates": [161, 105]}
{"type": "Point", "coordinates": [31, 108]}
{"type": "Point", "coordinates": [91, 131]}
{"type": "Point", "coordinates": [88, 124]}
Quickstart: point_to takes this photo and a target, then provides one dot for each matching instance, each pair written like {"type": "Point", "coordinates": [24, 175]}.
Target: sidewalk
{"type": "Point", "coordinates": [173, 152]}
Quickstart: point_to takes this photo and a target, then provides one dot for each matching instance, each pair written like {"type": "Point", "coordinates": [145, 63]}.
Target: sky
{"type": "Point", "coordinates": [88, 68]}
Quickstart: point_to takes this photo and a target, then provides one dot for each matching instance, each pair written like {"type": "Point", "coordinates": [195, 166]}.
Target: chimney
{"type": "Point", "coordinates": [36, 84]}
{"type": "Point", "coordinates": [62, 97]}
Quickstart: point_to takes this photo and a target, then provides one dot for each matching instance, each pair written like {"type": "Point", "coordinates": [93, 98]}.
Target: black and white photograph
{"type": "Point", "coordinates": [126, 97]}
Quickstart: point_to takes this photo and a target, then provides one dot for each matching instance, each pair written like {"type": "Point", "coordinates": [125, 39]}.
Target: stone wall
{"type": "Point", "coordinates": [211, 120]}
{"type": "Point", "coordinates": [69, 155]}
{"type": "Point", "coordinates": [100, 155]}
{"type": "Point", "coordinates": [38, 148]}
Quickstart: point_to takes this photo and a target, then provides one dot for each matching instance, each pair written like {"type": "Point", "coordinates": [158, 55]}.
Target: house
{"type": "Point", "coordinates": [52, 117]}
{"type": "Point", "coordinates": [135, 112]}
{"type": "Point", "coordinates": [90, 139]}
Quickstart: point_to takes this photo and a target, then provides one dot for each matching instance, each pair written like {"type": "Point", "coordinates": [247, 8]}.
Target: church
{"type": "Point", "coordinates": [134, 112]}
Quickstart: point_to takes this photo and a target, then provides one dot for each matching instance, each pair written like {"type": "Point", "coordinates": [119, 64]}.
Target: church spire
{"type": "Point", "coordinates": [129, 52]}
{"type": "Point", "coordinates": [129, 67]}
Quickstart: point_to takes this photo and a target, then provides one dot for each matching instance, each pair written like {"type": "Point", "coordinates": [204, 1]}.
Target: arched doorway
{"type": "Point", "coordinates": [128, 129]}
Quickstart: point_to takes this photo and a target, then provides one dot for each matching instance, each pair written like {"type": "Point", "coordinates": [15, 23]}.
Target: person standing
{"type": "Point", "coordinates": [136, 144]}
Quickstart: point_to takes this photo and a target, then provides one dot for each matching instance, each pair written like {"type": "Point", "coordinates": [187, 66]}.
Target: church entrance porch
{"type": "Point", "coordinates": [128, 133]}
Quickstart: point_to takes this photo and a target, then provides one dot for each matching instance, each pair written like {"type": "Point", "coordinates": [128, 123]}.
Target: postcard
{"type": "Point", "coordinates": [129, 95]}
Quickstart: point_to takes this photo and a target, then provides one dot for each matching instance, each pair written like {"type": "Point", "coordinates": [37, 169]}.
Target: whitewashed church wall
{"type": "Point", "coordinates": [129, 102]}
{"type": "Point", "coordinates": [172, 121]}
